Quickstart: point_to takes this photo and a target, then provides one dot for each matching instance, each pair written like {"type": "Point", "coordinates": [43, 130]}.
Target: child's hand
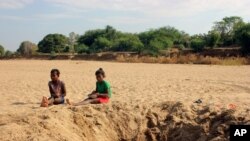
{"type": "Point", "coordinates": [56, 95]}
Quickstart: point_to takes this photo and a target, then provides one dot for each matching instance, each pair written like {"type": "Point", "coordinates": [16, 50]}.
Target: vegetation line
{"type": "Point", "coordinates": [229, 32]}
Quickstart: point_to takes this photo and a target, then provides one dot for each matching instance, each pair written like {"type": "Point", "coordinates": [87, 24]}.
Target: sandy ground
{"type": "Point", "coordinates": [148, 101]}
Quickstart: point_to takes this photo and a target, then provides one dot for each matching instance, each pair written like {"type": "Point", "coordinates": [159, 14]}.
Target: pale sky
{"type": "Point", "coordinates": [31, 20]}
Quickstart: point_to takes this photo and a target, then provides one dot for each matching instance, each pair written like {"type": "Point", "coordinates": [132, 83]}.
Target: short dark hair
{"type": "Point", "coordinates": [100, 71]}
{"type": "Point", "coordinates": [55, 71]}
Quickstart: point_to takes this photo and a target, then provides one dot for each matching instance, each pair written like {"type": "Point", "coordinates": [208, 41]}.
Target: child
{"type": "Point", "coordinates": [57, 90]}
{"type": "Point", "coordinates": [101, 94]}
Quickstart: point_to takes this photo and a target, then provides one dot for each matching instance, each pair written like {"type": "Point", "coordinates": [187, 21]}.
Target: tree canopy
{"type": "Point", "coordinates": [242, 34]}
{"type": "Point", "coordinates": [27, 48]}
{"type": "Point", "coordinates": [53, 42]}
{"type": "Point", "coordinates": [226, 28]}
{"type": "Point", "coordinates": [227, 32]}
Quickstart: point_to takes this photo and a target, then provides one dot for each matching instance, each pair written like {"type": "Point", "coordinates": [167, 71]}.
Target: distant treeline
{"type": "Point", "coordinates": [230, 31]}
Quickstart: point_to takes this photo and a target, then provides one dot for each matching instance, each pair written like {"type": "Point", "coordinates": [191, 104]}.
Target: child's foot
{"type": "Point", "coordinates": [45, 102]}
{"type": "Point", "coordinates": [68, 102]}
{"type": "Point", "coordinates": [45, 99]}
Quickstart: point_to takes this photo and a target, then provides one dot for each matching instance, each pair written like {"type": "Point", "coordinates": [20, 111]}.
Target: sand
{"type": "Point", "coordinates": [149, 102]}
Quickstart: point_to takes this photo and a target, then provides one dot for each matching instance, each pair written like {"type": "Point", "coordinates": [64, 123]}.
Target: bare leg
{"type": "Point", "coordinates": [51, 100]}
{"type": "Point", "coordinates": [58, 100]}
{"type": "Point", "coordinates": [70, 103]}
{"type": "Point", "coordinates": [84, 102]}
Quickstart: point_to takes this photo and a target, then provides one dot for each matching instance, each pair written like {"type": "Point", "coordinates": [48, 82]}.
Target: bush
{"type": "Point", "coordinates": [197, 45]}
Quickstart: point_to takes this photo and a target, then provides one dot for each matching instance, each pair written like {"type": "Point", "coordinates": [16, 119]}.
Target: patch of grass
{"type": "Point", "coordinates": [207, 60]}
{"type": "Point", "coordinates": [185, 59]}
{"type": "Point", "coordinates": [234, 61]}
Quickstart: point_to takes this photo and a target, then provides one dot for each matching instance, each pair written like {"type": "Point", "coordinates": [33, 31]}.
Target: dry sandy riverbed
{"type": "Point", "coordinates": [150, 101]}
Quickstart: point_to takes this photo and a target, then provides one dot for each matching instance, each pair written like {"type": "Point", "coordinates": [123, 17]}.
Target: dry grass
{"type": "Point", "coordinates": [235, 61]}
{"type": "Point", "coordinates": [186, 59]}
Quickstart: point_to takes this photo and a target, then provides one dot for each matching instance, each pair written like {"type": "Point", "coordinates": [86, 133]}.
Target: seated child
{"type": "Point", "coordinates": [101, 94]}
{"type": "Point", "coordinates": [57, 90]}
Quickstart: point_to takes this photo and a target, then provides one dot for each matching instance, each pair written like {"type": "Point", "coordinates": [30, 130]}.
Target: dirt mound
{"type": "Point", "coordinates": [171, 121]}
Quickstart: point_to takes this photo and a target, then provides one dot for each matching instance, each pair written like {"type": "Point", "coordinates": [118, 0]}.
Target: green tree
{"type": "Point", "coordinates": [128, 42]}
{"type": "Point", "coordinates": [1, 51]}
{"type": "Point", "coordinates": [197, 44]}
{"type": "Point", "coordinates": [242, 34]}
{"type": "Point", "coordinates": [52, 55]}
{"type": "Point", "coordinates": [8, 53]}
{"type": "Point", "coordinates": [176, 36]}
{"type": "Point", "coordinates": [183, 41]}
{"type": "Point", "coordinates": [162, 38]}
{"type": "Point", "coordinates": [53, 42]}
{"type": "Point", "coordinates": [213, 38]}
{"type": "Point", "coordinates": [89, 37]}
{"type": "Point", "coordinates": [226, 28]}
{"type": "Point", "coordinates": [82, 48]}
{"type": "Point", "coordinates": [108, 39]}
{"type": "Point", "coordinates": [100, 44]}
{"type": "Point", "coordinates": [111, 33]}
{"type": "Point", "coordinates": [92, 37]}
{"type": "Point", "coordinates": [27, 48]}
{"type": "Point", "coordinates": [161, 43]}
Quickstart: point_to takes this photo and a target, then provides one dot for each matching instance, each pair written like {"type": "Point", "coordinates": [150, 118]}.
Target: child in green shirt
{"type": "Point", "coordinates": [101, 94]}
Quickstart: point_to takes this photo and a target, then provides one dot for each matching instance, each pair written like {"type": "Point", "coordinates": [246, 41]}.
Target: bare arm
{"type": "Point", "coordinates": [51, 90]}
{"type": "Point", "coordinates": [93, 92]}
{"type": "Point", "coordinates": [104, 95]}
{"type": "Point", "coordinates": [64, 92]}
